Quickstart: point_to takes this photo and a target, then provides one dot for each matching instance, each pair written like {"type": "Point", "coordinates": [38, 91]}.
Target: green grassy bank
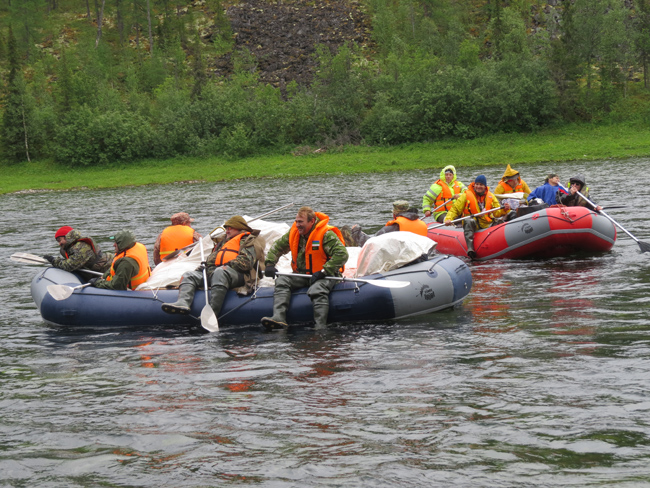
{"type": "Point", "coordinates": [570, 143]}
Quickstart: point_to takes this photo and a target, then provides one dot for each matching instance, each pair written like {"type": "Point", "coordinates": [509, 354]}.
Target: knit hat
{"type": "Point", "coordinates": [181, 218]}
{"type": "Point", "coordinates": [62, 231]}
{"type": "Point", "coordinates": [237, 222]}
{"type": "Point", "coordinates": [401, 206]}
{"type": "Point", "coordinates": [481, 179]}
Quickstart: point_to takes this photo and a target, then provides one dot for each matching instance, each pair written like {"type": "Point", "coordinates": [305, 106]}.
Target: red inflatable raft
{"type": "Point", "coordinates": [545, 233]}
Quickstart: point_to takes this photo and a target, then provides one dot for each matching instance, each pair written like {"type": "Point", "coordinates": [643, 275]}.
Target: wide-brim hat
{"type": "Point", "coordinates": [401, 206]}
{"type": "Point", "coordinates": [238, 222]}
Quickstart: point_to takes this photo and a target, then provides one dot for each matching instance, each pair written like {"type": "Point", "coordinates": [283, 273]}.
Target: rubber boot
{"type": "Point", "coordinates": [468, 231]}
{"type": "Point", "coordinates": [182, 305]}
{"type": "Point", "coordinates": [321, 310]}
{"type": "Point", "coordinates": [281, 300]}
{"type": "Point", "coordinates": [217, 296]}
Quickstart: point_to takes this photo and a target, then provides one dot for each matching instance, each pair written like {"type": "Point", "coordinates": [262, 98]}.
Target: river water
{"type": "Point", "coordinates": [540, 378]}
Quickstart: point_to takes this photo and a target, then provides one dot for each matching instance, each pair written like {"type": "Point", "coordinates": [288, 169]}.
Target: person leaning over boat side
{"type": "Point", "coordinates": [318, 249]}
{"type": "Point", "coordinates": [405, 218]}
{"type": "Point", "coordinates": [445, 189]}
{"type": "Point", "coordinates": [176, 236]}
{"type": "Point", "coordinates": [477, 198]}
{"type": "Point", "coordinates": [130, 266]}
{"type": "Point", "coordinates": [511, 182]}
{"type": "Point", "coordinates": [233, 263]}
{"type": "Point", "coordinates": [572, 199]}
{"type": "Point", "coordinates": [78, 252]}
{"type": "Point", "coordinates": [548, 190]}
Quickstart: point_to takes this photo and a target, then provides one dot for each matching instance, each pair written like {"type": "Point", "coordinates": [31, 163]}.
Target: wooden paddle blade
{"type": "Point", "coordinates": [209, 319]}
{"type": "Point", "coordinates": [60, 292]}
{"type": "Point", "coordinates": [26, 258]}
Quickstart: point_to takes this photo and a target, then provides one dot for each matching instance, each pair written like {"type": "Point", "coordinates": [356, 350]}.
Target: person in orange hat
{"type": "Point", "coordinates": [511, 182]}
{"type": "Point", "coordinates": [177, 236]}
{"type": "Point", "coordinates": [78, 252]}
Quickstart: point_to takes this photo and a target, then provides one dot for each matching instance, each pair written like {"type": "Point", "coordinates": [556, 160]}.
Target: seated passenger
{"type": "Point", "coordinates": [572, 199]}
{"type": "Point", "coordinates": [78, 252]}
{"type": "Point", "coordinates": [176, 236]}
{"type": "Point", "coordinates": [130, 266]}
{"type": "Point", "coordinates": [438, 199]}
{"type": "Point", "coordinates": [405, 218]}
{"type": "Point", "coordinates": [511, 182]}
{"type": "Point", "coordinates": [476, 199]}
{"type": "Point", "coordinates": [547, 191]}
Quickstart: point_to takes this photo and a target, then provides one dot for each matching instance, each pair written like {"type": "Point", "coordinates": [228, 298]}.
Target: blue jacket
{"type": "Point", "coordinates": [546, 192]}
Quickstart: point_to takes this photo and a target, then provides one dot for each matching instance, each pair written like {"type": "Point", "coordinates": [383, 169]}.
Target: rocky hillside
{"type": "Point", "coordinates": [282, 37]}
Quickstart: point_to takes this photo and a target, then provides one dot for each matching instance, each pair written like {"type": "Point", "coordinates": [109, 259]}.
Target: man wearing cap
{"type": "Point", "coordinates": [78, 252]}
{"type": "Point", "coordinates": [572, 199]}
{"type": "Point", "coordinates": [177, 236]}
{"type": "Point", "coordinates": [442, 193]}
{"type": "Point", "coordinates": [476, 199]}
{"type": "Point", "coordinates": [130, 266]}
{"type": "Point", "coordinates": [232, 264]}
{"type": "Point", "coordinates": [405, 218]}
{"type": "Point", "coordinates": [511, 182]}
{"type": "Point", "coordinates": [318, 249]}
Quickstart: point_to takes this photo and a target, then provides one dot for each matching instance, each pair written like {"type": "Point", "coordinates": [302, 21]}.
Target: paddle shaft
{"type": "Point", "coordinates": [380, 283]}
{"type": "Point", "coordinates": [208, 318]}
{"type": "Point", "coordinates": [467, 217]}
{"type": "Point", "coordinates": [642, 245]}
{"type": "Point", "coordinates": [26, 258]}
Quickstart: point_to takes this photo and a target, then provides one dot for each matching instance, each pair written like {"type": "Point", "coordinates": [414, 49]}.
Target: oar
{"type": "Point", "coordinates": [26, 258]}
{"type": "Point", "coordinates": [61, 292]}
{"type": "Point", "coordinates": [516, 196]}
{"type": "Point", "coordinates": [208, 318]}
{"type": "Point", "coordinates": [644, 246]}
{"type": "Point", "coordinates": [465, 218]}
{"type": "Point", "coordinates": [175, 253]}
{"type": "Point", "coordinates": [380, 283]}
{"type": "Point", "coordinates": [437, 208]}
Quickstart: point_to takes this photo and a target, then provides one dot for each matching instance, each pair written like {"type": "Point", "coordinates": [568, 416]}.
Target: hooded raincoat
{"type": "Point", "coordinates": [440, 192]}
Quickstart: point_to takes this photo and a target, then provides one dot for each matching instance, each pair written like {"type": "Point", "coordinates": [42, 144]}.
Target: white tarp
{"type": "Point", "coordinates": [391, 251]}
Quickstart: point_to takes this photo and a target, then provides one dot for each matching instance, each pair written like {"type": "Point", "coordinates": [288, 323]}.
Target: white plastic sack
{"type": "Point", "coordinates": [391, 251]}
{"type": "Point", "coordinates": [169, 273]}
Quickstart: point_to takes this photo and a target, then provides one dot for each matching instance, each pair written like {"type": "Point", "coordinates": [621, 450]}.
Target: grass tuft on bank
{"type": "Point", "coordinates": [569, 143]}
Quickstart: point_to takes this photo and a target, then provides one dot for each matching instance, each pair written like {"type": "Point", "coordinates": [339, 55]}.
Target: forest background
{"type": "Point", "coordinates": [91, 83]}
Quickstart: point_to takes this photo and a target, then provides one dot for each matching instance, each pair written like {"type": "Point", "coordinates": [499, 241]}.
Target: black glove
{"type": "Point", "coordinates": [49, 258]}
{"type": "Point", "coordinates": [270, 271]}
{"type": "Point", "coordinates": [92, 281]}
{"type": "Point", "coordinates": [201, 268]}
{"type": "Point", "coordinates": [318, 275]}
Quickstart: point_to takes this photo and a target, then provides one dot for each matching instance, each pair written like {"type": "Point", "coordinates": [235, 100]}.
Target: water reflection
{"type": "Point", "coordinates": [540, 375]}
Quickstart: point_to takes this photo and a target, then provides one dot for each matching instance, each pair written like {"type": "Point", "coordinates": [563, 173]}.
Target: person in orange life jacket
{"type": "Point", "coordinates": [405, 218]}
{"type": "Point", "coordinates": [511, 182]}
{"type": "Point", "coordinates": [572, 199]}
{"type": "Point", "coordinates": [318, 249]}
{"type": "Point", "coordinates": [477, 198]}
{"type": "Point", "coordinates": [445, 189]}
{"type": "Point", "coordinates": [130, 265]}
{"type": "Point", "coordinates": [78, 252]}
{"type": "Point", "coordinates": [177, 236]}
{"type": "Point", "coordinates": [232, 264]}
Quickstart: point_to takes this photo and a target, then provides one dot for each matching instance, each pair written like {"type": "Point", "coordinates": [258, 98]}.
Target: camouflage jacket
{"type": "Point", "coordinates": [333, 247]}
{"type": "Point", "coordinates": [251, 254]}
{"type": "Point", "coordinates": [81, 255]}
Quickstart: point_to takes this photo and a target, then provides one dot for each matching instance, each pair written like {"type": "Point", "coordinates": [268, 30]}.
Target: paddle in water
{"type": "Point", "coordinates": [380, 283]}
{"type": "Point", "coordinates": [644, 246]}
{"type": "Point", "coordinates": [208, 319]}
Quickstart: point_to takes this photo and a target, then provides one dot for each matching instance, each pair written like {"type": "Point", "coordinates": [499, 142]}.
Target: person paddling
{"type": "Point", "coordinates": [511, 182]}
{"type": "Point", "coordinates": [477, 198]}
{"type": "Point", "coordinates": [439, 198]}
{"type": "Point", "coordinates": [78, 252]}
{"type": "Point", "coordinates": [572, 198]}
{"type": "Point", "coordinates": [130, 266]}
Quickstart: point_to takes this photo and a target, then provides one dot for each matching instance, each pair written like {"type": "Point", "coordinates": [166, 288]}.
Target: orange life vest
{"type": "Point", "coordinates": [472, 207]}
{"type": "Point", "coordinates": [508, 189]}
{"type": "Point", "coordinates": [139, 253]}
{"type": "Point", "coordinates": [229, 250]}
{"type": "Point", "coordinates": [315, 256]}
{"type": "Point", "coordinates": [446, 194]}
{"type": "Point", "coordinates": [175, 237]}
{"type": "Point", "coordinates": [416, 226]}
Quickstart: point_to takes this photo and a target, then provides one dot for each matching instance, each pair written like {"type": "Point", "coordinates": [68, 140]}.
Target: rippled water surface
{"type": "Point", "coordinates": [541, 378]}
